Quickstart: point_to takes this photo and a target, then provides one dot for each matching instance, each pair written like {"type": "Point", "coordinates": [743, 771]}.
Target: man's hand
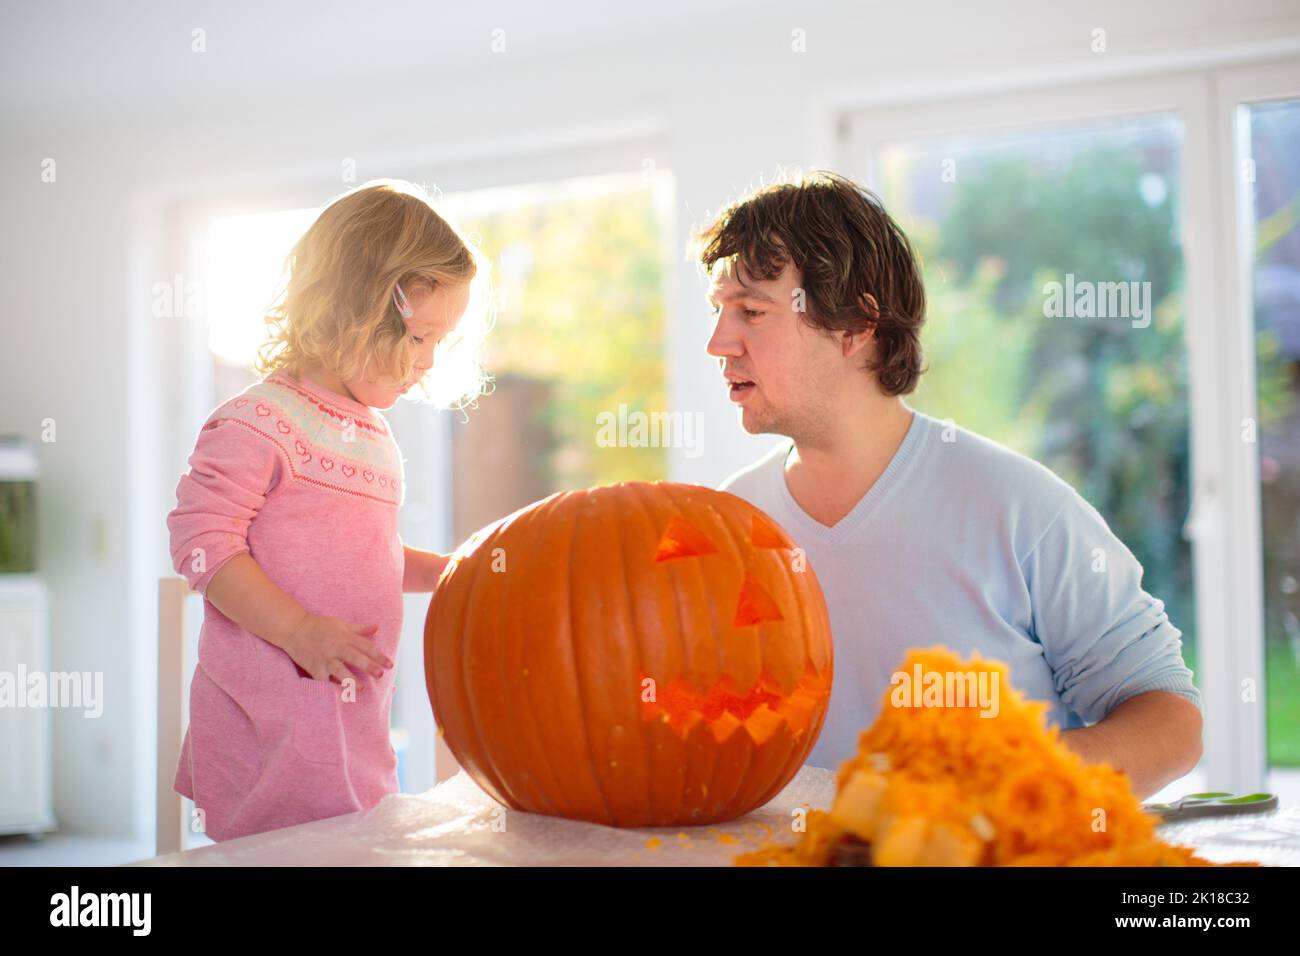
{"type": "Point", "coordinates": [1154, 738]}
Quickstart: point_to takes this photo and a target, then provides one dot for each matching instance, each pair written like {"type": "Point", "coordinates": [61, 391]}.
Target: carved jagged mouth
{"type": "Point", "coordinates": [761, 711]}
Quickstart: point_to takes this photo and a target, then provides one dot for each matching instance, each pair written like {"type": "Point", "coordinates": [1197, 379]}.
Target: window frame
{"type": "Point", "coordinates": [1243, 543]}
{"type": "Point", "coordinates": [1224, 523]}
{"type": "Point", "coordinates": [168, 235]}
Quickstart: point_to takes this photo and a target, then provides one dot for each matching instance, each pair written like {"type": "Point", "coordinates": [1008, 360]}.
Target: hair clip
{"type": "Point", "coordinates": [400, 300]}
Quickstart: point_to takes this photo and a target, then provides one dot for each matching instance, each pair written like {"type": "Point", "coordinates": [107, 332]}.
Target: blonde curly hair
{"type": "Point", "coordinates": [336, 309]}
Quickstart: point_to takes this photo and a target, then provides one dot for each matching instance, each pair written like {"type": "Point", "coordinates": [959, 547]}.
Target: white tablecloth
{"type": "Point", "coordinates": [457, 824]}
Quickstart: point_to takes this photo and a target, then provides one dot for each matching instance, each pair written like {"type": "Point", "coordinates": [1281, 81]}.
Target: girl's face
{"type": "Point", "coordinates": [436, 313]}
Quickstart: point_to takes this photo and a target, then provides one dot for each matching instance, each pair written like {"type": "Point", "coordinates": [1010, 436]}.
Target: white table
{"type": "Point", "coordinates": [457, 824]}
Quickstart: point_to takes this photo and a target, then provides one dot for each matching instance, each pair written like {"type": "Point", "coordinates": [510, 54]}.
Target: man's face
{"type": "Point", "coordinates": [780, 371]}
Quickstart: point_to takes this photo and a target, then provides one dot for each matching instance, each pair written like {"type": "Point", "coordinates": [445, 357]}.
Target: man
{"type": "Point", "coordinates": [921, 532]}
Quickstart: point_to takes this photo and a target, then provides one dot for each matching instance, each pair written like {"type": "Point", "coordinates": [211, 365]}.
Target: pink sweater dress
{"type": "Point", "coordinates": [309, 483]}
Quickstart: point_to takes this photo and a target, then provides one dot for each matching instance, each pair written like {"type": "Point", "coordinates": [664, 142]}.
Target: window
{"type": "Point", "coordinates": [1271, 175]}
{"type": "Point", "coordinates": [578, 269]}
{"type": "Point", "coordinates": [1055, 323]}
{"type": "Point", "coordinates": [578, 273]}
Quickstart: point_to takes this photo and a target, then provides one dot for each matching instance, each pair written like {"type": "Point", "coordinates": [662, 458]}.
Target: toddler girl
{"type": "Point", "coordinates": [287, 518]}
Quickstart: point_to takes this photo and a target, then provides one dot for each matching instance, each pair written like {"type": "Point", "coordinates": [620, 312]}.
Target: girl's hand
{"type": "Point", "coordinates": [422, 569]}
{"type": "Point", "coordinates": [325, 647]}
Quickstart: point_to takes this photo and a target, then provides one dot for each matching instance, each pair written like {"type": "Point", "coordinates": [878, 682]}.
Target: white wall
{"type": "Point", "coordinates": [283, 95]}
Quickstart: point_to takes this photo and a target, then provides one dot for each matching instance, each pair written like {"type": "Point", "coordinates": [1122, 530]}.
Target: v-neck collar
{"type": "Point", "coordinates": [868, 503]}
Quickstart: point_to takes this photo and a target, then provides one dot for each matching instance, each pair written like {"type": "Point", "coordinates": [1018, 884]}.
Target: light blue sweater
{"type": "Point", "coordinates": [965, 543]}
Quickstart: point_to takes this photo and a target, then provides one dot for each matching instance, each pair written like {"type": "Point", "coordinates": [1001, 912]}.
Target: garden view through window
{"type": "Point", "coordinates": [1013, 228]}
{"type": "Point", "coordinates": [577, 275]}
{"type": "Point", "coordinates": [1272, 179]}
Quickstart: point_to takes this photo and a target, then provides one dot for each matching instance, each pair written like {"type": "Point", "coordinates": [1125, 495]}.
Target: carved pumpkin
{"type": "Point", "coordinates": [634, 655]}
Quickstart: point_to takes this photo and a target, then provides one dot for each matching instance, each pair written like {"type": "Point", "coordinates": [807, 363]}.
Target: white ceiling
{"type": "Point", "coordinates": [64, 61]}
{"type": "Point", "coordinates": [67, 54]}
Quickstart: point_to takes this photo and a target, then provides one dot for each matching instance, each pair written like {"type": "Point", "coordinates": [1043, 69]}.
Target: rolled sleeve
{"type": "Point", "coordinates": [232, 470]}
{"type": "Point", "coordinates": [1104, 637]}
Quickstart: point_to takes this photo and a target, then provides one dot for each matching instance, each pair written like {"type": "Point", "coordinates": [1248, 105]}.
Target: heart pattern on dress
{"type": "Point", "coordinates": [303, 451]}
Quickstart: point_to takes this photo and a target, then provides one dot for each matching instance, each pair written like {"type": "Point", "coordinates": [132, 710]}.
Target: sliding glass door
{"type": "Point", "coordinates": [1056, 321]}
{"type": "Point", "coordinates": [1114, 273]}
{"type": "Point", "coordinates": [1262, 108]}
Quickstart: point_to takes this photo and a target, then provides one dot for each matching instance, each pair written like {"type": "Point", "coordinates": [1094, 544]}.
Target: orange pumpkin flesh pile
{"type": "Point", "coordinates": [641, 654]}
{"type": "Point", "coordinates": [945, 786]}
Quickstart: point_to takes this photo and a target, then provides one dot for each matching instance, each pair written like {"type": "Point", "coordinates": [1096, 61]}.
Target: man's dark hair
{"type": "Point", "coordinates": [839, 237]}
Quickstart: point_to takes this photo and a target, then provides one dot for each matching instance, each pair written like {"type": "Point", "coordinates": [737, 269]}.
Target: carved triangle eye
{"type": "Point", "coordinates": [755, 605]}
{"type": "Point", "coordinates": [681, 540]}
{"type": "Point", "coordinates": [763, 534]}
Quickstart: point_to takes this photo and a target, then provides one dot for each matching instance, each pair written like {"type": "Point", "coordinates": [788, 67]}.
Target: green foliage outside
{"type": "Point", "coordinates": [580, 290]}
{"type": "Point", "coordinates": [1100, 402]}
